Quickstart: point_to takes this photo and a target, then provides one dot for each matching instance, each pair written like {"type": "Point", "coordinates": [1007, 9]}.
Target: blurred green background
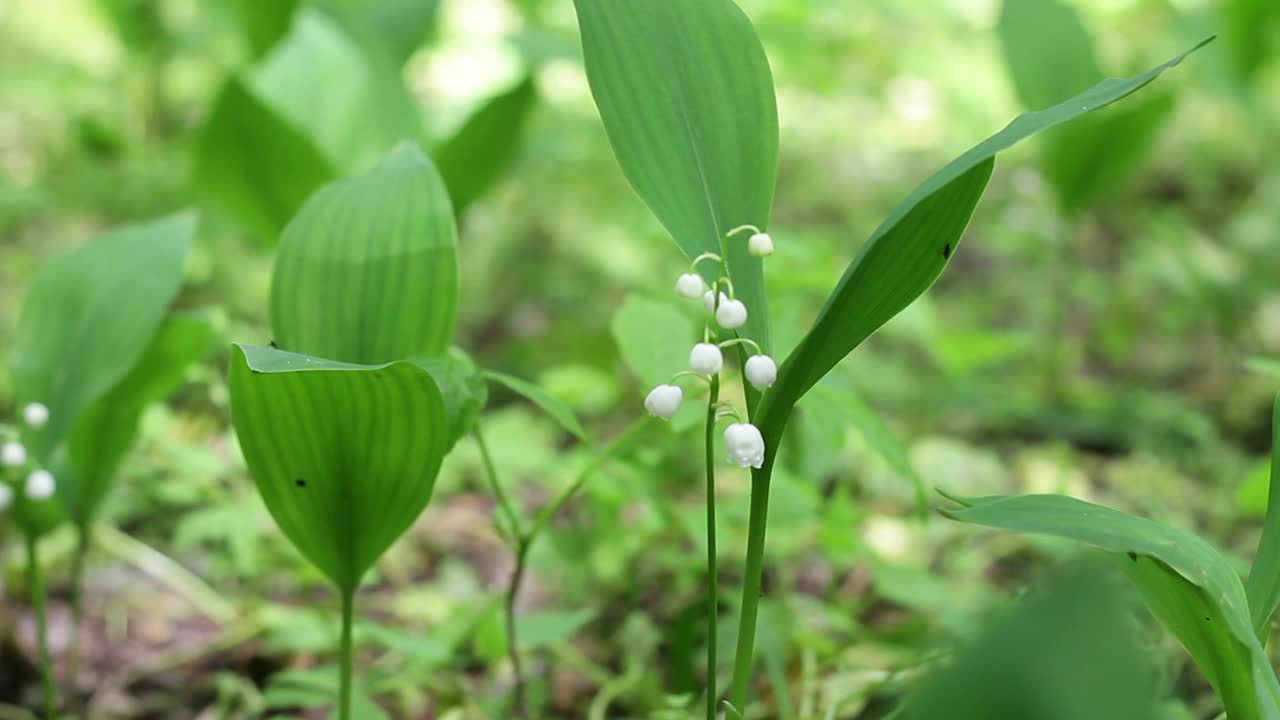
{"type": "Point", "coordinates": [1116, 345]}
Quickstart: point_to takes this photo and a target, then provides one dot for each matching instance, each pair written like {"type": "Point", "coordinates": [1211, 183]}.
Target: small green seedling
{"type": "Point", "coordinates": [96, 343]}
{"type": "Point", "coordinates": [686, 96]}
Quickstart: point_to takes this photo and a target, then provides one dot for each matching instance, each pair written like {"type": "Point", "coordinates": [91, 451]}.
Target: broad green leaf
{"type": "Point", "coordinates": [1189, 586]}
{"type": "Point", "coordinates": [89, 315]}
{"type": "Point", "coordinates": [462, 386]}
{"type": "Point", "coordinates": [254, 165]}
{"type": "Point", "coordinates": [911, 247]}
{"type": "Point", "coordinates": [263, 22]}
{"type": "Point", "coordinates": [686, 96]}
{"type": "Point", "coordinates": [485, 145]}
{"type": "Point", "coordinates": [562, 413]}
{"type": "Point", "coordinates": [653, 338]}
{"type": "Point", "coordinates": [1049, 51]}
{"type": "Point", "coordinates": [345, 456]}
{"type": "Point", "coordinates": [399, 27]}
{"type": "Point", "coordinates": [107, 428]}
{"type": "Point", "coordinates": [1263, 585]}
{"type": "Point", "coordinates": [367, 270]}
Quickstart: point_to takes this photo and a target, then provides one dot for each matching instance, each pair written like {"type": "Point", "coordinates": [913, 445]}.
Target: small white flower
{"type": "Point", "coordinates": [13, 454]}
{"type": "Point", "coordinates": [744, 444]}
{"type": "Point", "coordinates": [39, 485]}
{"type": "Point", "coordinates": [6, 496]}
{"type": "Point", "coordinates": [36, 415]}
{"type": "Point", "coordinates": [731, 314]}
{"type": "Point", "coordinates": [761, 371]}
{"type": "Point", "coordinates": [706, 359]}
{"type": "Point", "coordinates": [664, 400]}
{"type": "Point", "coordinates": [709, 301]}
{"type": "Point", "coordinates": [690, 286]}
{"type": "Point", "coordinates": [760, 245]}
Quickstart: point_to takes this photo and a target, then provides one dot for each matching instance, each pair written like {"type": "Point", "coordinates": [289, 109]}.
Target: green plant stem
{"type": "Point", "coordinates": [35, 578]}
{"type": "Point", "coordinates": [752, 579]}
{"type": "Point", "coordinates": [491, 474]}
{"type": "Point", "coordinates": [713, 594]}
{"type": "Point", "coordinates": [344, 655]}
{"type": "Point", "coordinates": [513, 642]}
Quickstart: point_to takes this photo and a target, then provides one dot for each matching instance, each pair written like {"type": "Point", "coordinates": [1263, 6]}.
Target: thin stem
{"type": "Point", "coordinates": [742, 341]}
{"type": "Point", "coordinates": [83, 540]}
{"type": "Point", "coordinates": [344, 655]}
{"type": "Point", "coordinates": [513, 644]}
{"type": "Point", "coordinates": [742, 228]}
{"type": "Point", "coordinates": [491, 474]}
{"type": "Point", "coordinates": [713, 594]}
{"type": "Point", "coordinates": [754, 574]}
{"type": "Point", "coordinates": [705, 256]}
{"type": "Point", "coordinates": [35, 578]}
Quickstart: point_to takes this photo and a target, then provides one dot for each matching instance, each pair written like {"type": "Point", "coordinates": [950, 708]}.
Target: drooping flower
{"type": "Point", "coordinates": [6, 496]}
{"type": "Point", "coordinates": [731, 314]}
{"type": "Point", "coordinates": [664, 400]}
{"type": "Point", "coordinates": [40, 485]}
{"type": "Point", "coordinates": [760, 245]}
{"type": "Point", "coordinates": [690, 286]}
{"type": "Point", "coordinates": [706, 359]}
{"type": "Point", "coordinates": [13, 454]}
{"type": "Point", "coordinates": [36, 415]}
{"type": "Point", "coordinates": [745, 445]}
{"type": "Point", "coordinates": [761, 371]}
{"type": "Point", "coordinates": [709, 301]}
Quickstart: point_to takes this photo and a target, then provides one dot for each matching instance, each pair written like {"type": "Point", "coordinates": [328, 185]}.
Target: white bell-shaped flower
{"type": "Point", "coordinates": [36, 415]}
{"type": "Point", "coordinates": [744, 444]}
{"type": "Point", "coordinates": [6, 496]}
{"type": "Point", "coordinates": [731, 314]}
{"type": "Point", "coordinates": [690, 285]}
{"type": "Point", "coordinates": [760, 245]}
{"type": "Point", "coordinates": [13, 454]}
{"type": "Point", "coordinates": [709, 301]}
{"type": "Point", "coordinates": [761, 371]}
{"type": "Point", "coordinates": [664, 400]}
{"type": "Point", "coordinates": [40, 485]}
{"type": "Point", "coordinates": [706, 359]}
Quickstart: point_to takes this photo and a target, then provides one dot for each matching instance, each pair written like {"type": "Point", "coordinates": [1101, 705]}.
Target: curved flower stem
{"type": "Point", "coordinates": [742, 341]}
{"type": "Point", "coordinates": [713, 609]}
{"type": "Point", "coordinates": [344, 655]}
{"type": "Point", "coordinates": [742, 229]}
{"type": "Point", "coordinates": [35, 578]}
{"type": "Point", "coordinates": [705, 256]}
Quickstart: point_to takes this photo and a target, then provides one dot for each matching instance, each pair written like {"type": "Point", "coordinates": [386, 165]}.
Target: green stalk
{"type": "Point", "coordinates": [513, 643]}
{"type": "Point", "coordinates": [344, 655]}
{"type": "Point", "coordinates": [754, 574]}
{"type": "Point", "coordinates": [712, 574]}
{"type": "Point", "coordinates": [35, 578]}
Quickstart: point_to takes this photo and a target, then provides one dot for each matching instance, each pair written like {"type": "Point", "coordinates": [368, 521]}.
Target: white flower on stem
{"type": "Point", "coordinates": [6, 496]}
{"type": "Point", "coordinates": [731, 314]}
{"type": "Point", "coordinates": [13, 454]}
{"type": "Point", "coordinates": [709, 301]}
{"type": "Point", "coordinates": [761, 371]}
{"type": "Point", "coordinates": [760, 245]}
{"type": "Point", "coordinates": [36, 415]}
{"type": "Point", "coordinates": [744, 444]}
{"type": "Point", "coordinates": [690, 285]}
{"type": "Point", "coordinates": [40, 485]}
{"type": "Point", "coordinates": [664, 400]}
{"type": "Point", "coordinates": [706, 359]}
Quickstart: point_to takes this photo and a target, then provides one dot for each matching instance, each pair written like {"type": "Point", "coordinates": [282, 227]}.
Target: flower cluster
{"type": "Point", "coordinates": [743, 441]}
{"type": "Point", "coordinates": [39, 483]}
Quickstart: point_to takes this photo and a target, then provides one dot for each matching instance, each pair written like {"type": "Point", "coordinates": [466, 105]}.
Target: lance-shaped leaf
{"type": "Point", "coordinates": [1263, 585]}
{"type": "Point", "coordinates": [345, 456]}
{"type": "Point", "coordinates": [485, 145]}
{"type": "Point", "coordinates": [107, 428]}
{"type": "Point", "coordinates": [367, 271]}
{"type": "Point", "coordinates": [90, 315]}
{"type": "Point", "coordinates": [686, 96]}
{"type": "Point", "coordinates": [1188, 585]}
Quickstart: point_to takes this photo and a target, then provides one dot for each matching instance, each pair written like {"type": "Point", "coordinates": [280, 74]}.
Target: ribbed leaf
{"type": "Point", "coordinates": [107, 428]}
{"type": "Point", "coordinates": [367, 271]}
{"type": "Point", "coordinates": [1263, 586]}
{"type": "Point", "coordinates": [485, 145]}
{"type": "Point", "coordinates": [686, 96]}
{"type": "Point", "coordinates": [1188, 585]}
{"type": "Point", "coordinates": [345, 456]}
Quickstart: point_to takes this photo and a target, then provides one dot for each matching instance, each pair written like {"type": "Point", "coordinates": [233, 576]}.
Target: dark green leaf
{"type": "Point", "coordinates": [345, 456]}
{"type": "Point", "coordinates": [367, 271]}
{"type": "Point", "coordinates": [553, 407]}
{"type": "Point", "coordinates": [485, 145]}
{"type": "Point", "coordinates": [686, 96]}
{"type": "Point", "coordinates": [1249, 29]}
{"type": "Point", "coordinates": [262, 21]}
{"type": "Point", "coordinates": [1263, 586]}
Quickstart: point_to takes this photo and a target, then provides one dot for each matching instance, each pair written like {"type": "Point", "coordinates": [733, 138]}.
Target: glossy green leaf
{"type": "Point", "coordinates": [1188, 585]}
{"type": "Point", "coordinates": [562, 413]}
{"type": "Point", "coordinates": [367, 271]}
{"type": "Point", "coordinates": [107, 428]}
{"type": "Point", "coordinates": [686, 96]}
{"type": "Point", "coordinates": [254, 165]}
{"type": "Point", "coordinates": [485, 145]}
{"type": "Point", "coordinates": [89, 316]}
{"type": "Point", "coordinates": [345, 456]}
{"type": "Point", "coordinates": [1263, 585]}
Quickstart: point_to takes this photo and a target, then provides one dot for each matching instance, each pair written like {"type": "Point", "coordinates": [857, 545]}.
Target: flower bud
{"type": "Point", "coordinates": [13, 454]}
{"type": "Point", "coordinates": [745, 445]}
{"type": "Point", "coordinates": [709, 301]}
{"type": "Point", "coordinates": [39, 485]}
{"type": "Point", "coordinates": [761, 371]}
{"type": "Point", "coordinates": [731, 314]}
{"type": "Point", "coordinates": [690, 286]}
{"type": "Point", "coordinates": [36, 415]}
{"type": "Point", "coordinates": [760, 245]}
{"type": "Point", "coordinates": [6, 496]}
{"type": "Point", "coordinates": [664, 400]}
{"type": "Point", "coordinates": [706, 359]}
